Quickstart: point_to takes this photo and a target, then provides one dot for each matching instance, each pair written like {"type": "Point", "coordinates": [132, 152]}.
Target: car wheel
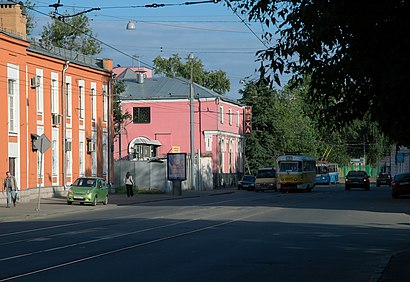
{"type": "Point", "coordinates": [347, 188]}
{"type": "Point", "coordinates": [367, 188]}
{"type": "Point", "coordinates": [95, 201]}
{"type": "Point", "coordinates": [81, 203]}
{"type": "Point", "coordinates": [377, 185]}
{"type": "Point", "coordinates": [394, 195]}
{"type": "Point", "coordinates": [106, 201]}
{"type": "Point", "coordinates": [69, 202]}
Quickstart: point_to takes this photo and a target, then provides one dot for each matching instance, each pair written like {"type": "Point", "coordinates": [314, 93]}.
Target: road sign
{"type": "Point", "coordinates": [42, 143]}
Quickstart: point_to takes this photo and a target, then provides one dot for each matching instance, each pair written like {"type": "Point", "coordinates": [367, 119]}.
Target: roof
{"type": "Point", "coordinates": [163, 88]}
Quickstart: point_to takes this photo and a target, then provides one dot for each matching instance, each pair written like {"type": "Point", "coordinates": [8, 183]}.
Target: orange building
{"type": "Point", "coordinates": [54, 118]}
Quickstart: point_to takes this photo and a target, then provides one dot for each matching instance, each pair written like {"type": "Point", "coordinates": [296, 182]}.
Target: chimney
{"type": "Point", "coordinates": [12, 19]}
{"type": "Point", "coordinates": [107, 64]}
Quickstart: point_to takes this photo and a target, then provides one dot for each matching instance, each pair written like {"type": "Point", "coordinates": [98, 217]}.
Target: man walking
{"type": "Point", "coordinates": [10, 185]}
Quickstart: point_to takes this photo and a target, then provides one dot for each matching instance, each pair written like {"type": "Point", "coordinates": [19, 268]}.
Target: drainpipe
{"type": "Point", "coordinates": [110, 140]}
{"type": "Point", "coordinates": [64, 122]}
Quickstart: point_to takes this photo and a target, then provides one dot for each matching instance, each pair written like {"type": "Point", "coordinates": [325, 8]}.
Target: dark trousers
{"type": "Point", "coordinates": [130, 192]}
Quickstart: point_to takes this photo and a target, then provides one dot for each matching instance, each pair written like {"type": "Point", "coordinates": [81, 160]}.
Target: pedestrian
{"type": "Point", "coordinates": [129, 184]}
{"type": "Point", "coordinates": [10, 185]}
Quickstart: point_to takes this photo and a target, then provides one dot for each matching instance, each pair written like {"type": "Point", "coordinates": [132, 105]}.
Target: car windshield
{"type": "Point", "coordinates": [84, 182]}
{"type": "Point", "coordinates": [248, 178]}
{"type": "Point", "coordinates": [266, 173]}
{"type": "Point", "coordinates": [402, 177]}
{"type": "Point", "coordinates": [384, 175]}
{"type": "Point", "coordinates": [356, 173]}
{"type": "Point", "coordinates": [290, 166]}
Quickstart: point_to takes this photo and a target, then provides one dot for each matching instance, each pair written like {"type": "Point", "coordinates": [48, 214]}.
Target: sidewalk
{"type": "Point", "coordinates": [394, 269]}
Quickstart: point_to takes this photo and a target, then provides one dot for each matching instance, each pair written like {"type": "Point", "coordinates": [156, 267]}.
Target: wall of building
{"type": "Point", "coordinates": [20, 64]}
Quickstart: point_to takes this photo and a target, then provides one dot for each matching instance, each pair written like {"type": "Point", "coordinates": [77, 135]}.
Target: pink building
{"type": "Point", "coordinates": [161, 124]}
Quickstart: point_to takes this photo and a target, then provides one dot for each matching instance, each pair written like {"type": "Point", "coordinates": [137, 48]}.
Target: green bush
{"type": "Point", "coordinates": [123, 190]}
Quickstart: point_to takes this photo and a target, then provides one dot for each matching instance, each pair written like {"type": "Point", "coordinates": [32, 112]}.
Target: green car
{"type": "Point", "coordinates": [89, 190]}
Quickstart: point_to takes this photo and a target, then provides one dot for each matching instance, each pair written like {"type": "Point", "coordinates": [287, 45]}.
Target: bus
{"type": "Point", "coordinates": [327, 173]}
{"type": "Point", "coordinates": [296, 172]}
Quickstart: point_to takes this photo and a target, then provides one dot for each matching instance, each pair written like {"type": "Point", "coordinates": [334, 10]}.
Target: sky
{"type": "Point", "coordinates": [211, 31]}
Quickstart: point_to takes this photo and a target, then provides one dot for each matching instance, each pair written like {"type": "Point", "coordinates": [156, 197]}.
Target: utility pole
{"type": "Point", "coordinates": [191, 122]}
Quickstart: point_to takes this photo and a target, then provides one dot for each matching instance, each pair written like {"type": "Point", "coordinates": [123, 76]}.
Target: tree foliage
{"type": "Point", "coordinates": [119, 118]}
{"type": "Point", "coordinates": [27, 6]}
{"type": "Point", "coordinates": [278, 126]}
{"type": "Point", "coordinates": [356, 53]}
{"type": "Point", "coordinates": [174, 67]}
{"type": "Point", "coordinates": [74, 33]}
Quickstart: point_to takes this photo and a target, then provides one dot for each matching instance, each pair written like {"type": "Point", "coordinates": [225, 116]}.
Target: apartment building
{"type": "Point", "coordinates": [54, 118]}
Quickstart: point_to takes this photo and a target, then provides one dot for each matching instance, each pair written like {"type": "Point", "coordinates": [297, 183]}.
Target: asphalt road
{"type": "Point", "coordinates": [325, 235]}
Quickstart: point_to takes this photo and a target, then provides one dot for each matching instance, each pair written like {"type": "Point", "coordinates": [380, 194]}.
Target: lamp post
{"type": "Point", "coordinates": [191, 122]}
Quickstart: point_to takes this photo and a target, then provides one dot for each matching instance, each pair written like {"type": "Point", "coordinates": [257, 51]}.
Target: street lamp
{"type": "Point", "coordinates": [191, 120]}
{"type": "Point", "coordinates": [131, 25]}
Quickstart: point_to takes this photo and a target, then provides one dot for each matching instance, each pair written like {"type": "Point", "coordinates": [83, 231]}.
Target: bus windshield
{"type": "Point", "coordinates": [290, 166]}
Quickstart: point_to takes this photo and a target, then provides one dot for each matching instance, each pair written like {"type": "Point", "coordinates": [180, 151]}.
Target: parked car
{"type": "Point", "coordinates": [400, 185]}
{"type": "Point", "coordinates": [265, 179]}
{"type": "Point", "coordinates": [247, 183]}
{"type": "Point", "coordinates": [90, 190]}
{"type": "Point", "coordinates": [383, 179]}
{"type": "Point", "coordinates": [357, 179]}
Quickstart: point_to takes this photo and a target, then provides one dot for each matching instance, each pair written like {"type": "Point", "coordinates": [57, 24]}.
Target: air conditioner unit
{"type": "Point", "coordinates": [91, 146]}
{"type": "Point", "coordinates": [56, 119]}
{"type": "Point", "coordinates": [34, 82]}
{"type": "Point", "coordinates": [68, 146]}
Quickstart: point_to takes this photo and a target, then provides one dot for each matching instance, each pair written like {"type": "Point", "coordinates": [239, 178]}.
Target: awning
{"type": "Point", "coordinates": [145, 141]}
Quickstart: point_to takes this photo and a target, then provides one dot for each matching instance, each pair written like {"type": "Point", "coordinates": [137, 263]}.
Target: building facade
{"type": "Point", "coordinates": [55, 113]}
{"type": "Point", "coordinates": [160, 124]}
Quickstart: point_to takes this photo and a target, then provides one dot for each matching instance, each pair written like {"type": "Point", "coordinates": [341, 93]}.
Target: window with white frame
{"type": "Point", "coordinates": [81, 100]}
{"type": "Point", "coordinates": [230, 116]}
{"type": "Point", "coordinates": [81, 157]}
{"type": "Point", "coordinates": [105, 103]}
{"type": "Point", "coordinates": [54, 96]}
{"type": "Point", "coordinates": [93, 101]}
{"type": "Point", "coordinates": [105, 154]}
{"type": "Point", "coordinates": [69, 92]}
{"type": "Point", "coordinates": [237, 118]}
{"type": "Point", "coordinates": [208, 143]}
{"type": "Point", "coordinates": [54, 154]}
{"type": "Point", "coordinates": [39, 92]}
{"type": "Point", "coordinates": [221, 114]}
{"type": "Point", "coordinates": [12, 105]}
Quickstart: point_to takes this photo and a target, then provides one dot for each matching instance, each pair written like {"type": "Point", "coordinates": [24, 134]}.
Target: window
{"type": "Point", "coordinates": [105, 103]}
{"type": "Point", "coordinates": [81, 156]}
{"type": "Point", "coordinates": [54, 153]}
{"type": "Point", "coordinates": [208, 143]}
{"type": "Point", "coordinates": [69, 97]}
{"type": "Point", "coordinates": [230, 116]}
{"type": "Point", "coordinates": [221, 114]}
{"type": "Point", "coordinates": [12, 105]}
{"type": "Point", "coordinates": [141, 115]}
{"type": "Point", "coordinates": [39, 95]}
{"type": "Point", "coordinates": [237, 118]}
{"type": "Point", "coordinates": [81, 101]}
{"type": "Point", "coordinates": [93, 104]}
{"type": "Point", "coordinates": [54, 96]}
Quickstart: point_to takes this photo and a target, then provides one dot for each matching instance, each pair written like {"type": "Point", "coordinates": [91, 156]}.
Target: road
{"type": "Point", "coordinates": [325, 235]}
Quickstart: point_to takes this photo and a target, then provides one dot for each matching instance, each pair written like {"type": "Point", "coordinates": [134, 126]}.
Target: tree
{"type": "Point", "coordinates": [119, 118]}
{"type": "Point", "coordinates": [72, 33]}
{"type": "Point", "coordinates": [356, 53]}
{"type": "Point", "coordinates": [27, 6]}
{"type": "Point", "coordinates": [174, 67]}
{"type": "Point", "coordinates": [278, 125]}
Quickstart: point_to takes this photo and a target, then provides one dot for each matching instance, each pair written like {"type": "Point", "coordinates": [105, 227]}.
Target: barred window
{"type": "Point", "coordinates": [141, 115]}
